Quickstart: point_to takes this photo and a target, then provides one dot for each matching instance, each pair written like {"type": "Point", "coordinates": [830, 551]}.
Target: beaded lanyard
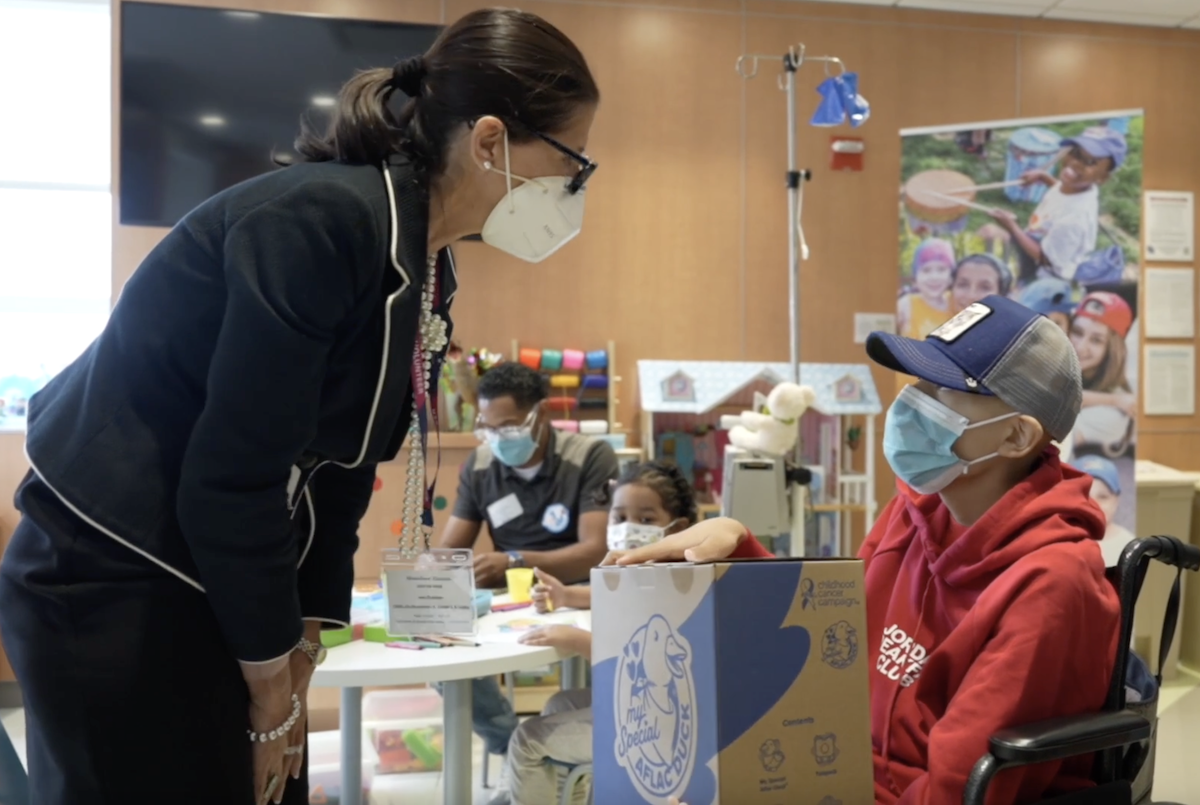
{"type": "Point", "coordinates": [417, 519]}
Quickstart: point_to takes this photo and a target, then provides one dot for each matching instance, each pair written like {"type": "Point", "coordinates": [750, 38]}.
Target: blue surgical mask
{"type": "Point", "coordinates": [515, 450]}
{"type": "Point", "coordinates": [919, 437]}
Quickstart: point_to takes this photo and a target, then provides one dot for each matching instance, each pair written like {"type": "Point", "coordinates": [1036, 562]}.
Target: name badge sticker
{"type": "Point", "coordinates": [505, 510]}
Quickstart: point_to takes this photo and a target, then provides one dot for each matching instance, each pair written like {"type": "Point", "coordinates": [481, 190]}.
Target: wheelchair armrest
{"type": "Point", "coordinates": [1061, 738]}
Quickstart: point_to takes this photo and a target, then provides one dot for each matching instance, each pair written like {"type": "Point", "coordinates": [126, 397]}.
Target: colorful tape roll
{"type": "Point", "coordinates": [572, 360]}
{"type": "Point", "coordinates": [551, 360]}
{"type": "Point", "coordinates": [531, 358]}
{"type": "Point", "coordinates": [562, 403]}
{"type": "Point", "coordinates": [593, 427]}
{"type": "Point", "coordinates": [597, 359]}
{"type": "Point", "coordinates": [595, 381]}
{"type": "Point", "coordinates": [564, 381]}
{"type": "Point", "coordinates": [568, 425]}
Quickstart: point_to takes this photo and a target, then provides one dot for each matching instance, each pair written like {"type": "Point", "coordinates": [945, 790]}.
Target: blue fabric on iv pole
{"type": "Point", "coordinates": [830, 111]}
{"type": "Point", "coordinates": [855, 105]}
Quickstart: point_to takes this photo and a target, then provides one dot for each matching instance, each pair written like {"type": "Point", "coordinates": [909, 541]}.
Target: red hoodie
{"type": "Point", "coordinates": [972, 630]}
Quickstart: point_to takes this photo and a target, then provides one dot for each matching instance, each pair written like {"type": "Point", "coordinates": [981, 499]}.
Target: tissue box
{"type": "Point", "coordinates": [736, 683]}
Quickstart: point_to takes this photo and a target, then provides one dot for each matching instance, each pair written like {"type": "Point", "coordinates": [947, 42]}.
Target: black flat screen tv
{"type": "Point", "coordinates": [211, 97]}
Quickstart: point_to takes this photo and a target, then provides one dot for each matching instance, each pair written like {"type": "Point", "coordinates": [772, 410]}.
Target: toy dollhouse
{"type": "Point", "coordinates": [682, 403]}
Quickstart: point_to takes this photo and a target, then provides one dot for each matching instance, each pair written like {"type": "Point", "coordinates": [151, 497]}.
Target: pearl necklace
{"type": "Point", "coordinates": [414, 536]}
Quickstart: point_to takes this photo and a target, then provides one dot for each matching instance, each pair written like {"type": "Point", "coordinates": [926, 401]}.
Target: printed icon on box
{"type": "Point", "coordinates": [839, 645]}
{"type": "Point", "coordinates": [825, 749]}
{"type": "Point", "coordinates": [770, 754]}
{"type": "Point", "coordinates": [654, 709]}
{"type": "Point", "coordinates": [808, 594]}
{"type": "Point", "coordinates": [556, 518]}
{"type": "Point", "coordinates": [829, 801]}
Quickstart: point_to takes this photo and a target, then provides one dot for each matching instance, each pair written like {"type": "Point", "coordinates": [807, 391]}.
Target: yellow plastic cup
{"type": "Point", "coordinates": [520, 584]}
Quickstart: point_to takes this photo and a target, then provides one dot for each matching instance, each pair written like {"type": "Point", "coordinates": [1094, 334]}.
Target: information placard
{"type": "Point", "coordinates": [433, 593]}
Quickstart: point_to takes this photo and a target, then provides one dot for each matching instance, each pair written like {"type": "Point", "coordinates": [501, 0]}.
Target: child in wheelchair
{"type": "Point", "coordinates": [987, 602]}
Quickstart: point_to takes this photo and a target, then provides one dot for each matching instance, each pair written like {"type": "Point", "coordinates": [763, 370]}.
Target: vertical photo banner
{"type": "Point", "coordinates": [1047, 212]}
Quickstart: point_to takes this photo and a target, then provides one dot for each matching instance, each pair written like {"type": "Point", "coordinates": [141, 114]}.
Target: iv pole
{"type": "Point", "coordinates": [747, 68]}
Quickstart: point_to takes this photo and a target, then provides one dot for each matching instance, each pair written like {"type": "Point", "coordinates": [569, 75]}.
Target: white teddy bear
{"type": "Point", "coordinates": [775, 430]}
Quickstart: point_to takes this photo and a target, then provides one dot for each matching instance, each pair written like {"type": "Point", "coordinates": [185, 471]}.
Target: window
{"type": "Point", "coordinates": [55, 200]}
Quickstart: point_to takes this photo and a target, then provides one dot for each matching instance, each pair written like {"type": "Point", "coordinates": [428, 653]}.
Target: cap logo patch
{"type": "Point", "coordinates": [1094, 306]}
{"type": "Point", "coordinates": [961, 322]}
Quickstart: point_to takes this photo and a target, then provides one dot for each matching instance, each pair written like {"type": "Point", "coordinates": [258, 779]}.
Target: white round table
{"type": "Point", "coordinates": [362, 664]}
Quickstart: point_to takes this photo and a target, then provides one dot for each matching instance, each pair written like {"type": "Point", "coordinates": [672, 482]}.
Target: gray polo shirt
{"type": "Point", "coordinates": [540, 514]}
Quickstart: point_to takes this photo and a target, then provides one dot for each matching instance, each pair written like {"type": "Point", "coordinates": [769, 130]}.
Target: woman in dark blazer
{"type": "Point", "coordinates": [200, 471]}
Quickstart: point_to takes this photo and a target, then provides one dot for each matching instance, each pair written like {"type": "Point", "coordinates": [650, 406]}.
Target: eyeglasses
{"type": "Point", "coordinates": [586, 166]}
{"type": "Point", "coordinates": [484, 433]}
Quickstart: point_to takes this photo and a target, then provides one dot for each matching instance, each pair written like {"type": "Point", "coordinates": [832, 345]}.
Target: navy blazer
{"type": "Point", "coordinates": [227, 422]}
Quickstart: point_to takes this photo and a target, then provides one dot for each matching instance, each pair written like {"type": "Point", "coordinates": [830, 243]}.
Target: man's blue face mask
{"type": "Point", "coordinates": [918, 441]}
{"type": "Point", "coordinates": [512, 445]}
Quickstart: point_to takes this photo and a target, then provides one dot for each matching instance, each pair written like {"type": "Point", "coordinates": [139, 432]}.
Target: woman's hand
{"type": "Point", "coordinates": [271, 689]}
{"type": "Point", "coordinates": [707, 541]}
{"type": "Point", "coordinates": [549, 593]}
{"type": "Point", "coordinates": [562, 637]}
{"type": "Point", "coordinates": [302, 668]}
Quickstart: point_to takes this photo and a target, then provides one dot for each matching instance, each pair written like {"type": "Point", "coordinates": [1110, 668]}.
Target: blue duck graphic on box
{"type": "Point", "coordinates": [736, 683]}
{"type": "Point", "coordinates": [655, 713]}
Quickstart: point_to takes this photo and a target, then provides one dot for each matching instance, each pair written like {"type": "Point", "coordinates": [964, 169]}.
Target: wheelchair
{"type": "Point", "coordinates": [1121, 736]}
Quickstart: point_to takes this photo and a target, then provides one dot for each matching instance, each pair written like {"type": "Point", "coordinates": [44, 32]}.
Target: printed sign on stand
{"type": "Point", "coordinates": [432, 593]}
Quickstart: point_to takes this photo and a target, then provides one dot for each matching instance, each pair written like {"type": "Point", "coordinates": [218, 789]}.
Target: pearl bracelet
{"type": "Point", "coordinates": [283, 730]}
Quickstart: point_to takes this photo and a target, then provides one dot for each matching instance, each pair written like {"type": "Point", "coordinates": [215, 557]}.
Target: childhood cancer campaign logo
{"type": "Point", "coordinates": [654, 710]}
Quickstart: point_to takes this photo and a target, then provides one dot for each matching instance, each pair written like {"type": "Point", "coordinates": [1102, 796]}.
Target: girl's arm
{"type": "Point", "coordinates": [1122, 400]}
{"type": "Point", "coordinates": [562, 637]}
{"type": "Point", "coordinates": [903, 313]}
{"type": "Point", "coordinates": [708, 541]}
{"type": "Point", "coordinates": [578, 596]}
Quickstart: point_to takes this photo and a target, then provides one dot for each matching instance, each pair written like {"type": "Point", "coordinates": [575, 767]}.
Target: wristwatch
{"type": "Point", "coordinates": [514, 559]}
{"type": "Point", "coordinates": [314, 651]}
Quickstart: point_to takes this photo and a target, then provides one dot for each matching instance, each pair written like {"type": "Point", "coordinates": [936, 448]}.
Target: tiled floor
{"type": "Point", "coordinates": [1176, 779]}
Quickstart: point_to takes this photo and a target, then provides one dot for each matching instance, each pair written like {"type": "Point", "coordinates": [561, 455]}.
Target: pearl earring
{"type": "Point", "coordinates": [487, 166]}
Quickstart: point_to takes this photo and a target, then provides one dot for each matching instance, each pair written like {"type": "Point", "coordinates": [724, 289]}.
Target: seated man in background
{"type": "Point", "coordinates": [987, 604]}
{"type": "Point", "coordinates": [541, 493]}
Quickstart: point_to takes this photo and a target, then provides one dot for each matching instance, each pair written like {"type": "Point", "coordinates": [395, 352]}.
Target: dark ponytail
{"type": "Point", "coordinates": [664, 479]}
{"type": "Point", "coordinates": [509, 64]}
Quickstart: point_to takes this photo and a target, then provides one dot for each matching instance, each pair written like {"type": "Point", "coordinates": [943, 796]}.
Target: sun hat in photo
{"type": "Point", "coordinates": [1000, 348]}
{"type": "Point", "coordinates": [932, 250]}
{"type": "Point", "coordinates": [1048, 295]}
{"type": "Point", "coordinates": [1101, 141]}
{"type": "Point", "coordinates": [1101, 469]}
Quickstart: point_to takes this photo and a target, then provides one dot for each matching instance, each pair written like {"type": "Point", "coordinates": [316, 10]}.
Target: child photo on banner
{"type": "Point", "coordinates": [1046, 212]}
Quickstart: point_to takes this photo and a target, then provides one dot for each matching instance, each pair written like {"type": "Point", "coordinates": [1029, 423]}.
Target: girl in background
{"type": "Point", "coordinates": [649, 501]}
{"type": "Point", "coordinates": [920, 311]}
{"type": "Point", "coordinates": [976, 276]}
{"type": "Point", "coordinates": [1098, 332]}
